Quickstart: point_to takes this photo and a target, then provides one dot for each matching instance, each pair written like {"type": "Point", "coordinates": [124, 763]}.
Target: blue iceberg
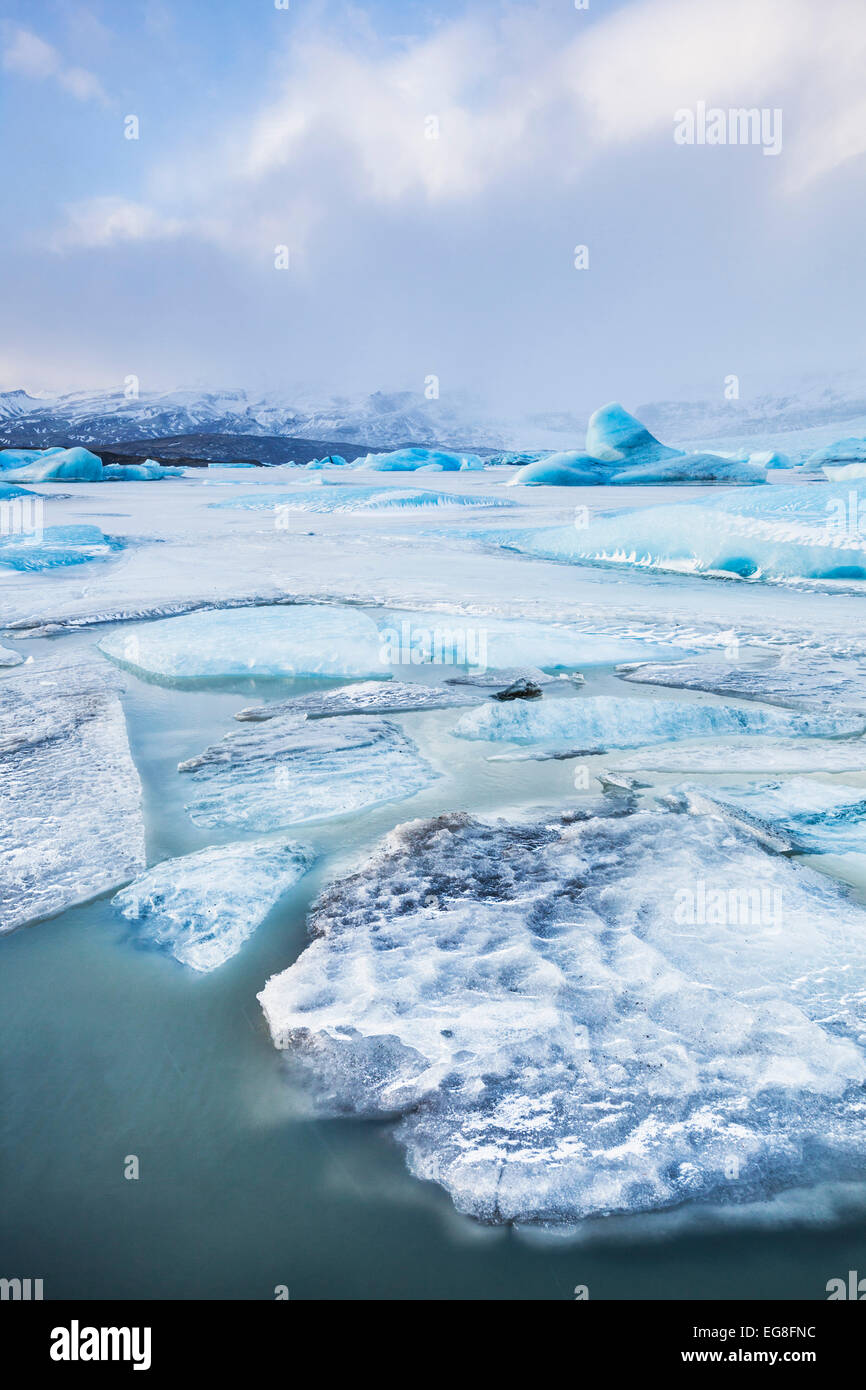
{"type": "Point", "coordinates": [56, 546]}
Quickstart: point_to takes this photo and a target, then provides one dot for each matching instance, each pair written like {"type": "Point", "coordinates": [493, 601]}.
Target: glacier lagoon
{"type": "Point", "coordinates": [268, 1184]}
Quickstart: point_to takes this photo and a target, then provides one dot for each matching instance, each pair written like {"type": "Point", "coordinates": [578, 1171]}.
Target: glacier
{"type": "Point", "coordinates": [529, 1002]}
{"type": "Point", "coordinates": [283, 640]}
{"type": "Point", "coordinates": [290, 770]}
{"type": "Point", "coordinates": [368, 697]}
{"type": "Point", "coordinates": [70, 798]}
{"type": "Point", "coordinates": [204, 906]}
{"type": "Point", "coordinates": [600, 722]}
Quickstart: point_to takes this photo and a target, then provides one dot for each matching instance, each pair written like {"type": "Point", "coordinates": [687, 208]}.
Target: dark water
{"type": "Point", "coordinates": [109, 1050]}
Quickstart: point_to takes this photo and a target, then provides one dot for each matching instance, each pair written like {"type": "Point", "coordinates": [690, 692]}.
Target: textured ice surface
{"type": "Point", "coordinates": [70, 814]}
{"type": "Point", "coordinates": [799, 679]}
{"type": "Point", "coordinates": [204, 906]}
{"type": "Point", "coordinates": [369, 697]}
{"type": "Point", "coordinates": [820, 817]}
{"type": "Point", "coordinates": [604, 721]}
{"type": "Point", "coordinates": [758, 755]}
{"type": "Point", "coordinates": [340, 498]}
{"type": "Point", "coordinates": [291, 770]}
{"type": "Point", "coordinates": [55, 547]}
{"type": "Point", "coordinates": [560, 1040]}
{"type": "Point", "coordinates": [10, 658]}
{"type": "Point", "coordinates": [286, 640]}
{"type": "Point", "coordinates": [770, 533]}
{"type": "Point", "coordinates": [460, 639]}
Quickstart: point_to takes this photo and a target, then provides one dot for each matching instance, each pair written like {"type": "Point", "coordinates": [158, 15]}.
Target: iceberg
{"type": "Point", "coordinates": [798, 679]}
{"type": "Point", "coordinates": [614, 436]}
{"type": "Point", "coordinates": [369, 697]}
{"type": "Point", "coordinates": [409, 460]}
{"type": "Point", "coordinates": [331, 461]}
{"type": "Point", "coordinates": [289, 770]}
{"type": "Point", "coordinates": [599, 722]}
{"type": "Point", "coordinates": [617, 1012]}
{"type": "Point", "coordinates": [56, 546]}
{"type": "Point", "coordinates": [77, 465]}
{"type": "Point", "coordinates": [342, 498]}
{"type": "Point", "coordinates": [285, 640]}
{"type": "Point", "coordinates": [765, 533]}
{"type": "Point", "coordinates": [203, 907]}
{"type": "Point", "coordinates": [562, 470]}
{"type": "Point", "coordinates": [843, 452]}
{"type": "Point", "coordinates": [70, 798]}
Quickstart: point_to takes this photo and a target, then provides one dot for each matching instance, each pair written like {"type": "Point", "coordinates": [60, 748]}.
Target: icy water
{"type": "Point", "coordinates": [110, 1051]}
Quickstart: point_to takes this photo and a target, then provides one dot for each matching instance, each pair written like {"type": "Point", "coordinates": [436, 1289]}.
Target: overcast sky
{"type": "Point", "coordinates": [409, 256]}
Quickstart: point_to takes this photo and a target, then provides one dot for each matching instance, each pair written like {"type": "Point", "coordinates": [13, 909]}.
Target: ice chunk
{"type": "Point", "coordinates": [614, 436]}
{"type": "Point", "coordinates": [605, 721]}
{"type": "Point", "coordinates": [750, 755]}
{"type": "Point", "coordinates": [10, 491]}
{"type": "Point", "coordinates": [70, 814]}
{"type": "Point", "coordinates": [204, 906]}
{"type": "Point", "coordinates": [562, 470]}
{"type": "Point", "coordinates": [370, 697]}
{"type": "Point", "coordinates": [146, 472]}
{"type": "Point", "coordinates": [56, 546]}
{"type": "Point", "coordinates": [289, 770]}
{"type": "Point", "coordinates": [695, 468]}
{"type": "Point", "coordinates": [769, 533]}
{"type": "Point", "coordinates": [286, 640]}
{"type": "Point", "coordinates": [343, 498]}
{"type": "Point", "coordinates": [331, 461]}
{"type": "Point", "coordinates": [10, 658]}
{"type": "Point", "coordinates": [798, 679]}
{"type": "Point", "coordinates": [817, 817]}
{"type": "Point", "coordinates": [71, 465]}
{"type": "Point", "coordinates": [844, 452]}
{"type": "Point", "coordinates": [506, 675]}
{"type": "Point", "coordinates": [408, 460]}
{"type": "Point", "coordinates": [609, 1013]}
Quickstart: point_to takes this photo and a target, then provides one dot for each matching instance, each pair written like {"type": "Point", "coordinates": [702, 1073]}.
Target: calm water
{"type": "Point", "coordinates": [109, 1050]}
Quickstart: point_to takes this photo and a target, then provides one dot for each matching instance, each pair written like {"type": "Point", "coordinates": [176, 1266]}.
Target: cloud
{"type": "Point", "coordinates": [30, 56]}
{"type": "Point", "coordinates": [516, 97]}
{"type": "Point", "coordinates": [107, 221]}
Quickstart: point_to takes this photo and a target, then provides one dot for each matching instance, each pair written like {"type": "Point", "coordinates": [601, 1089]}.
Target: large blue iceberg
{"type": "Point", "coordinates": [56, 546]}
{"type": "Point", "coordinates": [76, 465]}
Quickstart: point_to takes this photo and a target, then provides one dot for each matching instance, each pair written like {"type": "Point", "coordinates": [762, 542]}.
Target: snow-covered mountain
{"type": "Point", "coordinates": [391, 419]}
{"type": "Point", "coordinates": [382, 419]}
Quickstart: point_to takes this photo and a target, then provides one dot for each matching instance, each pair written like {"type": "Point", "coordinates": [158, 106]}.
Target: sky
{"type": "Point", "coordinates": [430, 169]}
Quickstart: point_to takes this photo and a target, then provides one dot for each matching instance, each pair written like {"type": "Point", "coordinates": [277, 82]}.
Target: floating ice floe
{"type": "Point", "coordinates": [70, 798]}
{"type": "Point", "coordinates": [485, 642]}
{"type": "Point", "coordinates": [815, 817]}
{"type": "Point", "coordinates": [501, 676]}
{"type": "Point", "coordinates": [613, 1013]}
{"type": "Point", "coordinates": [839, 460]}
{"type": "Point", "coordinates": [599, 722]}
{"type": "Point", "coordinates": [204, 906]}
{"type": "Point", "coordinates": [291, 770]}
{"type": "Point", "coordinates": [75, 465]}
{"type": "Point", "coordinates": [753, 755]}
{"type": "Point", "coordinates": [284, 640]}
{"type": "Point", "coordinates": [343, 498]}
{"type": "Point", "coordinates": [369, 697]}
{"type": "Point", "coordinates": [798, 679]}
{"type": "Point", "coordinates": [53, 547]}
{"type": "Point", "coordinates": [770, 533]}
